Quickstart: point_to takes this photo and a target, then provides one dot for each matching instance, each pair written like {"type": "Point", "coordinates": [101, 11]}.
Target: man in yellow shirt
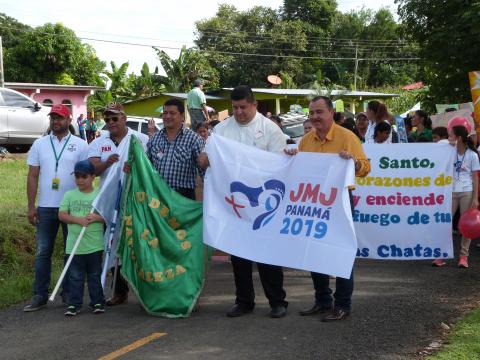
{"type": "Point", "coordinates": [329, 137]}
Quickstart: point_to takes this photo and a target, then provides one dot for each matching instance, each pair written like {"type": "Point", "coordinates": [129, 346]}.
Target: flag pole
{"type": "Point", "coordinates": [113, 226]}
{"type": "Point", "coordinates": [69, 261]}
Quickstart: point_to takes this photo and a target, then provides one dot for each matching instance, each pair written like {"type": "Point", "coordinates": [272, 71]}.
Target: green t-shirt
{"type": "Point", "coordinates": [196, 99]}
{"type": "Point", "coordinates": [426, 134]}
{"type": "Point", "coordinates": [78, 203]}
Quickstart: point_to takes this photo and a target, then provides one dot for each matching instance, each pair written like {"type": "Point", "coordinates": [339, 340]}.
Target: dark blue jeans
{"type": "Point", "coordinates": [47, 229]}
{"type": "Point", "coordinates": [343, 287]}
{"type": "Point", "coordinates": [91, 266]}
{"type": "Point", "coordinates": [323, 293]}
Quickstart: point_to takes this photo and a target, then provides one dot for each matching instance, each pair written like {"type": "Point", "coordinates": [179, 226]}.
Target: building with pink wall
{"type": "Point", "coordinates": [74, 96]}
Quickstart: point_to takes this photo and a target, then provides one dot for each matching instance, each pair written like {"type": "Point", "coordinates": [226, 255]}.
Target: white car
{"type": "Point", "coordinates": [140, 124]}
{"type": "Point", "coordinates": [22, 120]}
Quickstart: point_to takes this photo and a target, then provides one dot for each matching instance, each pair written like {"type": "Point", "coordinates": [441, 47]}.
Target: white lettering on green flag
{"type": "Point", "coordinates": [161, 246]}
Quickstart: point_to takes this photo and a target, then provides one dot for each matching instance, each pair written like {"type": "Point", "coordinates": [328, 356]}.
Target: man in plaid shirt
{"type": "Point", "coordinates": [174, 150]}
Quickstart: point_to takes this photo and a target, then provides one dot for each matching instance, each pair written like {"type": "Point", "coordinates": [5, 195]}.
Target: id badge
{"type": "Point", "coordinates": [56, 184]}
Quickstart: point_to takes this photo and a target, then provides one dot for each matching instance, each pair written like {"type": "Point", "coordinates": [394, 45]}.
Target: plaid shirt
{"type": "Point", "coordinates": [176, 161]}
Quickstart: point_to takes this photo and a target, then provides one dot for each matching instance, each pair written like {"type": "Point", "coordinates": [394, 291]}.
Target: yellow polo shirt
{"type": "Point", "coordinates": [337, 139]}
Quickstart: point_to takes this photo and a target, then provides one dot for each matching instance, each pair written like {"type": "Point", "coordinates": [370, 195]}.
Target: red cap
{"type": "Point", "coordinates": [61, 110]}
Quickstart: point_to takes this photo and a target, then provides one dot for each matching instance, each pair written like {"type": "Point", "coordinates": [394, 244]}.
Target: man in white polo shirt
{"type": "Point", "coordinates": [251, 128]}
{"type": "Point", "coordinates": [51, 160]}
{"type": "Point", "coordinates": [105, 151]}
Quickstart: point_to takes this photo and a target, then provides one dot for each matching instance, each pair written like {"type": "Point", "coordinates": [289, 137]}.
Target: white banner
{"type": "Point", "coordinates": [403, 207]}
{"type": "Point", "coordinates": [280, 210]}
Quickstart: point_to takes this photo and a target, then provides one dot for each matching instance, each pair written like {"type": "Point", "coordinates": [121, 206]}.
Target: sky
{"type": "Point", "coordinates": [168, 24]}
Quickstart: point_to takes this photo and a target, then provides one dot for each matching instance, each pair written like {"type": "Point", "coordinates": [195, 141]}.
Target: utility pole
{"type": "Point", "coordinates": [2, 80]}
{"type": "Point", "coordinates": [356, 68]}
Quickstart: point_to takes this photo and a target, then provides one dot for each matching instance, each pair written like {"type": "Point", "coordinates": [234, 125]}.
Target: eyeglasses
{"type": "Point", "coordinates": [113, 118]}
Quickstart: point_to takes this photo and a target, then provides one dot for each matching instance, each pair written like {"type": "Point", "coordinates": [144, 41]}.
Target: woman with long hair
{"type": "Point", "coordinates": [465, 183]}
{"type": "Point", "coordinates": [422, 122]}
{"type": "Point", "coordinates": [376, 113]}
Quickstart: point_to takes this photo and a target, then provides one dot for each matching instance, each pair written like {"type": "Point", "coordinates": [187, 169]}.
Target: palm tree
{"type": "Point", "coordinates": [190, 65]}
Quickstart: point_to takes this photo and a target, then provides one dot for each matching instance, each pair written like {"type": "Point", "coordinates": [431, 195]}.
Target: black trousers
{"type": "Point", "coordinates": [271, 277]}
{"type": "Point", "coordinates": [344, 287]}
{"type": "Point", "coordinates": [121, 286]}
{"type": "Point", "coordinates": [186, 192]}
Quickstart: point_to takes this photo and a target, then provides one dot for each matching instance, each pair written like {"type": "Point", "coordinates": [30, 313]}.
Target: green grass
{"type": "Point", "coordinates": [17, 236]}
{"type": "Point", "coordinates": [464, 341]}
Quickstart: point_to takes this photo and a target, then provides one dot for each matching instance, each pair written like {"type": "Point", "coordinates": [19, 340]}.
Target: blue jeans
{"type": "Point", "coordinates": [323, 293]}
{"type": "Point", "coordinates": [82, 134]}
{"type": "Point", "coordinates": [91, 266]}
{"type": "Point", "coordinates": [343, 287]}
{"type": "Point", "coordinates": [47, 229]}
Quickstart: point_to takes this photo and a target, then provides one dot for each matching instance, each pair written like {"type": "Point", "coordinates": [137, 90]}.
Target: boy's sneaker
{"type": "Point", "coordinates": [438, 263]}
{"type": "Point", "coordinates": [463, 262]}
{"type": "Point", "coordinates": [71, 311]}
{"type": "Point", "coordinates": [98, 309]}
{"type": "Point", "coordinates": [37, 303]}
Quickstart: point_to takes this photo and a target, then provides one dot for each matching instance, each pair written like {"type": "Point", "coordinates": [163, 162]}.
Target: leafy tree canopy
{"type": "Point", "coordinates": [449, 35]}
{"type": "Point", "coordinates": [52, 53]}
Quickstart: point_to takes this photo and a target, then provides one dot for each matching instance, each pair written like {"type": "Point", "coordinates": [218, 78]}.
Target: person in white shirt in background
{"type": "Point", "coordinates": [465, 184]}
{"type": "Point", "coordinates": [50, 166]}
{"type": "Point", "coordinates": [376, 113]}
{"type": "Point", "coordinates": [249, 127]}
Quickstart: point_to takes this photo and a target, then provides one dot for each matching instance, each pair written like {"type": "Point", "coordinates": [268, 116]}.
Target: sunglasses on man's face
{"type": "Point", "coordinates": [113, 118]}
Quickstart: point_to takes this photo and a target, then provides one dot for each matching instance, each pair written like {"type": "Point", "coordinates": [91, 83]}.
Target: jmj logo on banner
{"type": "Point", "coordinates": [263, 201]}
{"type": "Point", "coordinates": [280, 210]}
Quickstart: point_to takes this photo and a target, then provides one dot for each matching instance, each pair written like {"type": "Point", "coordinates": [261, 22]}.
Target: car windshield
{"type": "Point", "coordinates": [294, 130]}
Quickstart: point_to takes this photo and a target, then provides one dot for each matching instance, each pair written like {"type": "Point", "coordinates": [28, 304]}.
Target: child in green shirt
{"type": "Point", "coordinates": [75, 211]}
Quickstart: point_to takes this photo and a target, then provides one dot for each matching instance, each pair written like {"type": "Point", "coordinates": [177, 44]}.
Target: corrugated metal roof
{"type": "Point", "coordinates": [311, 92]}
{"type": "Point", "coordinates": [184, 96]}
{"type": "Point", "coordinates": [17, 85]}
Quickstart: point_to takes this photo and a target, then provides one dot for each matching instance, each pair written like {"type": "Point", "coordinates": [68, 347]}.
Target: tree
{"type": "Point", "coordinates": [247, 46]}
{"type": "Point", "coordinates": [376, 35]}
{"type": "Point", "coordinates": [449, 34]}
{"type": "Point", "coordinates": [183, 71]}
{"type": "Point", "coordinates": [11, 31]}
{"type": "Point", "coordinates": [148, 84]}
{"type": "Point", "coordinates": [318, 13]}
{"type": "Point", "coordinates": [52, 52]}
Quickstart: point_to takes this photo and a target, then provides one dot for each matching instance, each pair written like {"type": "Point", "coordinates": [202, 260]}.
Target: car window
{"type": "Point", "coordinates": [145, 128]}
{"type": "Point", "coordinates": [132, 125]}
{"type": "Point", "coordinates": [295, 130]}
{"type": "Point", "coordinates": [15, 100]}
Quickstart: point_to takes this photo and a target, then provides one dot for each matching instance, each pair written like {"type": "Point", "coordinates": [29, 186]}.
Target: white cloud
{"type": "Point", "coordinates": [161, 23]}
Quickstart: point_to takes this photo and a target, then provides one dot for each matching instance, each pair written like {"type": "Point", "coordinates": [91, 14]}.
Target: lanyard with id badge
{"type": "Point", "coordinates": [56, 179]}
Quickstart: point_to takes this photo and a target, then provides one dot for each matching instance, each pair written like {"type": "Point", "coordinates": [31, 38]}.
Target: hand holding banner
{"type": "Point", "coordinates": [280, 210]}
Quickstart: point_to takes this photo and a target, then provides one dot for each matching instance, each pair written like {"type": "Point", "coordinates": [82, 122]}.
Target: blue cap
{"type": "Point", "coordinates": [84, 167]}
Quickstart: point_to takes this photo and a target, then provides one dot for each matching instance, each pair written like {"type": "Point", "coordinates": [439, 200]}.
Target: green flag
{"type": "Point", "coordinates": [161, 246]}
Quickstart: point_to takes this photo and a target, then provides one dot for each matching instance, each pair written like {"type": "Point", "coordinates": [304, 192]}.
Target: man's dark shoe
{"type": "Point", "coordinates": [38, 302]}
{"type": "Point", "coordinates": [278, 311]}
{"type": "Point", "coordinates": [336, 314]}
{"type": "Point", "coordinates": [239, 310]}
{"type": "Point", "coordinates": [117, 299]}
{"type": "Point", "coordinates": [316, 308]}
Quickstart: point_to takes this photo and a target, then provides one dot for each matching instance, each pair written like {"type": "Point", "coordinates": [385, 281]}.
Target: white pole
{"type": "Point", "coordinates": [67, 265]}
{"type": "Point", "coordinates": [112, 232]}
{"type": "Point", "coordinates": [109, 248]}
{"type": "Point", "coordinates": [2, 76]}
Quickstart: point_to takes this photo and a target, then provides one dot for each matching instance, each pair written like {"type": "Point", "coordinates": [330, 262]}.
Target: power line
{"type": "Point", "coordinates": [229, 52]}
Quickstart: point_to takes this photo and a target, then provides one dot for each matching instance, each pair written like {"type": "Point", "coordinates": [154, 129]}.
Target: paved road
{"type": "Point", "coordinates": [398, 308]}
